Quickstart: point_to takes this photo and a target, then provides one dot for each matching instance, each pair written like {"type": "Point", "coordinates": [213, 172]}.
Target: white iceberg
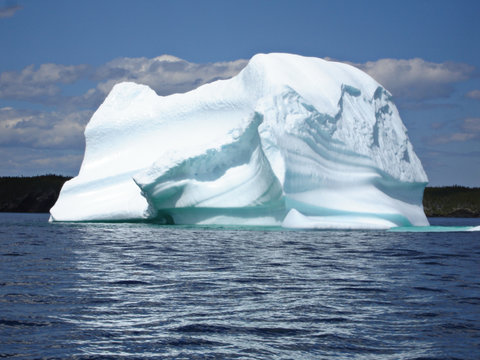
{"type": "Point", "coordinates": [294, 141]}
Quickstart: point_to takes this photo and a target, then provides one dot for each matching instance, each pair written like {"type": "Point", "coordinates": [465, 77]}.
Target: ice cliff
{"type": "Point", "coordinates": [294, 141]}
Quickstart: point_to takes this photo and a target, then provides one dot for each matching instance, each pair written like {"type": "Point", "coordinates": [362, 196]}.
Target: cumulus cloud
{"type": "Point", "coordinates": [472, 124]}
{"type": "Point", "coordinates": [417, 79]}
{"type": "Point", "coordinates": [411, 80]}
{"type": "Point", "coordinates": [9, 11]}
{"type": "Point", "coordinates": [42, 130]}
{"type": "Point", "coordinates": [165, 74]}
{"type": "Point", "coordinates": [59, 129]}
{"type": "Point", "coordinates": [39, 84]}
{"type": "Point", "coordinates": [474, 94]}
{"type": "Point", "coordinates": [469, 130]}
{"type": "Point", "coordinates": [43, 137]}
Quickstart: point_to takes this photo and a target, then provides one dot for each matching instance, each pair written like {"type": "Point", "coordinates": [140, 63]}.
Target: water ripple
{"type": "Point", "coordinates": [128, 291]}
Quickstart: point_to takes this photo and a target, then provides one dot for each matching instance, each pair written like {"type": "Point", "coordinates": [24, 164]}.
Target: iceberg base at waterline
{"type": "Point", "coordinates": [290, 141]}
{"type": "Point", "coordinates": [435, 229]}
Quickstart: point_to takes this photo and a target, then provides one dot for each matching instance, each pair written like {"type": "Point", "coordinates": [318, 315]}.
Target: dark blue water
{"type": "Point", "coordinates": [142, 291]}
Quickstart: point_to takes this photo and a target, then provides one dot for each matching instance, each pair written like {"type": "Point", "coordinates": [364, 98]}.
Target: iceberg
{"type": "Point", "coordinates": [291, 141]}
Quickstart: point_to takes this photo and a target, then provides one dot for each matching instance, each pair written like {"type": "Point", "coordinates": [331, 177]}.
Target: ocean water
{"type": "Point", "coordinates": [132, 291]}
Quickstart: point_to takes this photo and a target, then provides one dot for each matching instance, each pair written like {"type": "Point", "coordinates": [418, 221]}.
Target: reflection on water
{"type": "Point", "coordinates": [139, 290]}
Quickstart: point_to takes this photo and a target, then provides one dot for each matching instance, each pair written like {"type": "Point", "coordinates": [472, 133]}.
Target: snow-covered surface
{"type": "Point", "coordinates": [291, 140]}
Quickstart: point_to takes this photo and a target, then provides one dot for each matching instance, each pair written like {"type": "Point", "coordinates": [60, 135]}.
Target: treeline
{"type": "Point", "coordinates": [35, 194]}
{"type": "Point", "coordinates": [452, 201]}
{"type": "Point", "coordinates": [39, 193]}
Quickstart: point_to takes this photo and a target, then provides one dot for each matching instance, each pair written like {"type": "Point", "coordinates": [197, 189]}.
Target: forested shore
{"type": "Point", "coordinates": [451, 201]}
{"type": "Point", "coordinates": [37, 194]}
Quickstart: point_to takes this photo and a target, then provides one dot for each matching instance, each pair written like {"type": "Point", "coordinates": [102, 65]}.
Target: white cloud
{"type": "Point", "coordinates": [60, 129]}
{"type": "Point", "coordinates": [165, 74]}
{"type": "Point", "coordinates": [417, 79]}
{"type": "Point", "coordinates": [474, 94]}
{"type": "Point", "coordinates": [469, 130]}
{"type": "Point", "coordinates": [472, 124]}
{"type": "Point", "coordinates": [413, 79]}
{"type": "Point", "coordinates": [9, 11]}
{"type": "Point", "coordinates": [39, 84]}
{"type": "Point", "coordinates": [42, 130]}
{"type": "Point", "coordinates": [37, 142]}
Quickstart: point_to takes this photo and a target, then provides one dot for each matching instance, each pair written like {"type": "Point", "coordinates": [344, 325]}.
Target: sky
{"type": "Point", "coordinates": [60, 58]}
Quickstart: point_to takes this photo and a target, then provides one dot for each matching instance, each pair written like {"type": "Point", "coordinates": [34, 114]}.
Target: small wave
{"type": "Point", "coordinates": [362, 289]}
{"type": "Point", "coordinates": [423, 288]}
{"type": "Point", "coordinates": [435, 229]}
{"type": "Point", "coordinates": [221, 329]}
{"type": "Point", "coordinates": [19, 323]}
{"type": "Point", "coordinates": [129, 282]}
{"type": "Point", "coordinates": [332, 320]}
{"type": "Point", "coordinates": [470, 300]}
{"type": "Point", "coordinates": [336, 342]}
{"type": "Point", "coordinates": [149, 265]}
{"type": "Point", "coordinates": [202, 328]}
{"type": "Point", "coordinates": [190, 341]}
{"type": "Point", "coordinates": [436, 263]}
{"type": "Point", "coordinates": [426, 315]}
{"type": "Point", "coordinates": [433, 358]}
{"type": "Point", "coordinates": [460, 327]}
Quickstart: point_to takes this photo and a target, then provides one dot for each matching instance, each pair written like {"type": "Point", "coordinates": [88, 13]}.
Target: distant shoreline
{"type": "Point", "coordinates": [37, 194]}
{"type": "Point", "coordinates": [452, 201]}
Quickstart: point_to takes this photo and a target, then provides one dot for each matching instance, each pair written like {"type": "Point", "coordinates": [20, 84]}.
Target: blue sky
{"type": "Point", "coordinates": [59, 59]}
